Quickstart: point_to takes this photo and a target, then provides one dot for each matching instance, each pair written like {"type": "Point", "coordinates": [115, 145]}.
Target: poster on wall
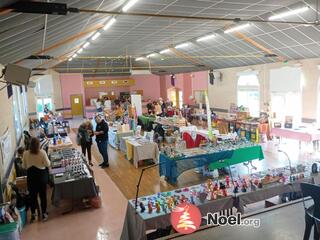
{"type": "Point", "coordinates": [5, 147]}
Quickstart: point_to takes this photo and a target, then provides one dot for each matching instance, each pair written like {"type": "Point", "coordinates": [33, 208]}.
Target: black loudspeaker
{"type": "Point", "coordinates": [211, 77]}
{"type": "Point", "coordinates": [173, 78]}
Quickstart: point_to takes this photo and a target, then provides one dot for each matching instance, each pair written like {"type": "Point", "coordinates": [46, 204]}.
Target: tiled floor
{"type": "Point", "coordinates": [93, 223]}
{"type": "Point", "coordinates": [87, 224]}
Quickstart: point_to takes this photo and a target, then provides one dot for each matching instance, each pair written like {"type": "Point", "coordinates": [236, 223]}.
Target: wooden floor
{"type": "Point", "coordinates": [125, 175]}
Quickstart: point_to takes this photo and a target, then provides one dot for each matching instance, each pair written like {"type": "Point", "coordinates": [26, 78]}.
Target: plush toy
{"type": "Point", "coordinates": [157, 207]}
{"type": "Point", "coordinates": [228, 181]}
{"type": "Point", "coordinates": [150, 207]}
{"type": "Point", "coordinates": [143, 208]}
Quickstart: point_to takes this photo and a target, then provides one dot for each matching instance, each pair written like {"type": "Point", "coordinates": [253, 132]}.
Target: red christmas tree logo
{"type": "Point", "coordinates": [186, 218]}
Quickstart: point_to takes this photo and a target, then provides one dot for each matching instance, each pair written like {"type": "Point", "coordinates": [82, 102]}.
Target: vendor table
{"type": "Point", "coordinates": [73, 189]}
{"type": "Point", "coordinates": [146, 122]}
{"type": "Point", "coordinates": [66, 143]}
{"type": "Point", "coordinates": [171, 168]}
{"type": "Point", "coordinates": [136, 225]}
{"type": "Point", "coordinates": [300, 134]}
{"type": "Point", "coordinates": [239, 156]}
{"type": "Point", "coordinates": [138, 149]}
{"type": "Point", "coordinates": [114, 137]}
{"type": "Point", "coordinates": [242, 199]}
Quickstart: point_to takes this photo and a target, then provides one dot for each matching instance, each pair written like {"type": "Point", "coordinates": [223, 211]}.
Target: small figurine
{"type": "Point", "coordinates": [260, 185]}
{"type": "Point", "coordinates": [228, 181]}
{"type": "Point", "coordinates": [164, 207]}
{"type": "Point", "coordinates": [170, 203]}
{"type": "Point", "coordinates": [236, 189]}
{"type": "Point", "coordinates": [183, 198]}
{"type": "Point", "coordinates": [222, 186]}
{"type": "Point", "coordinates": [243, 189]}
{"type": "Point", "coordinates": [158, 207]}
{"type": "Point", "coordinates": [150, 207]}
{"type": "Point", "coordinates": [192, 199]}
{"type": "Point", "coordinates": [224, 192]}
{"type": "Point", "coordinates": [215, 188]}
{"type": "Point", "coordinates": [143, 208]}
{"type": "Point", "coordinates": [252, 186]}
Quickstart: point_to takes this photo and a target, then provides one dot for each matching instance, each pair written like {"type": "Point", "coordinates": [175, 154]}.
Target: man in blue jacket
{"type": "Point", "coordinates": [101, 134]}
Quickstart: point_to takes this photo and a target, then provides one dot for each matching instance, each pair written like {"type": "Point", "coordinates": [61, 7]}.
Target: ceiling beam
{"type": "Point", "coordinates": [67, 40]}
{"type": "Point", "coordinates": [235, 20]}
{"type": "Point", "coordinates": [257, 45]}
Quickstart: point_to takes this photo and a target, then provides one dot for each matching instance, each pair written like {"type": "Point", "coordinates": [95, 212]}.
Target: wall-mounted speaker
{"type": "Point", "coordinates": [173, 78]}
{"type": "Point", "coordinates": [211, 77]}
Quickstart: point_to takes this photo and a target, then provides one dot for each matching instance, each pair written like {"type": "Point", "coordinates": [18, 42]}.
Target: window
{"type": "Point", "coordinates": [249, 93]}
{"type": "Point", "coordinates": [286, 98]}
{"type": "Point", "coordinates": [286, 104]}
{"type": "Point", "coordinates": [16, 111]}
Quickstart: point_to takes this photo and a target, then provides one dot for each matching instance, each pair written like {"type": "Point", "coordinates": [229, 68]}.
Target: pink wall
{"type": "Point", "coordinates": [150, 84]}
{"type": "Point", "coordinates": [71, 84]}
{"type": "Point", "coordinates": [187, 82]}
{"type": "Point", "coordinates": [94, 92]}
{"type": "Point", "coordinates": [200, 81]}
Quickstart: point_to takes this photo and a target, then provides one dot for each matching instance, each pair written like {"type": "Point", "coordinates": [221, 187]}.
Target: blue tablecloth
{"type": "Point", "coordinates": [171, 168]}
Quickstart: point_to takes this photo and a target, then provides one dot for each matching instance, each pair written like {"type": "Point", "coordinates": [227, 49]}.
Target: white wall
{"type": "Point", "coordinates": [222, 93]}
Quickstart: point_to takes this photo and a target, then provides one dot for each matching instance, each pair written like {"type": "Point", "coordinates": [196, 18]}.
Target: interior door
{"type": "Point", "coordinates": [76, 105]}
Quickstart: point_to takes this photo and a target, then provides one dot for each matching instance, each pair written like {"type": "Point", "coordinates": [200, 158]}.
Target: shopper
{"type": "Point", "coordinates": [101, 134]}
{"type": "Point", "coordinates": [85, 133]}
{"type": "Point", "coordinates": [36, 162]}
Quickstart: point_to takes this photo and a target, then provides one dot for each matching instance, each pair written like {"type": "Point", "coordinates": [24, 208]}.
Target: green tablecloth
{"type": "Point", "coordinates": [239, 156]}
{"type": "Point", "coordinates": [146, 121]}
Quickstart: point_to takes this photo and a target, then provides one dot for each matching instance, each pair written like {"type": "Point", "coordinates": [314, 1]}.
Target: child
{"type": "Point", "coordinates": [20, 171]}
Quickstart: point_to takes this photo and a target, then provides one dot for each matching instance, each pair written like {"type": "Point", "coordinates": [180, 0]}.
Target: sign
{"type": "Point", "coordinates": [109, 83]}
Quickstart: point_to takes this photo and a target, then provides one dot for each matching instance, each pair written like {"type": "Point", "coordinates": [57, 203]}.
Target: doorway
{"type": "Point", "coordinates": [176, 97]}
{"type": "Point", "coordinates": [41, 103]}
{"type": "Point", "coordinates": [76, 105]}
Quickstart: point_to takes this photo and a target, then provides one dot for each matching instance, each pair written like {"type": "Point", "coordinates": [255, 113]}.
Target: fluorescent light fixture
{"type": "Point", "coordinates": [205, 38]}
{"type": "Point", "coordinates": [129, 5]}
{"type": "Point", "coordinates": [109, 23]}
{"type": "Point", "coordinates": [151, 55]}
{"type": "Point", "coordinates": [86, 45]}
{"type": "Point", "coordinates": [289, 13]}
{"type": "Point", "coordinates": [70, 59]}
{"type": "Point", "coordinates": [237, 28]}
{"type": "Point", "coordinates": [80, 50]}
{"type": "Point", "coordinates": [74, 55]}
{"type": "Point", "coordinates": [165, 51]}
{"type": "Point", "coordinates": [182, 45]}
{"type": "Point", "coordinates": [95, 36]}
{"type": "Point", "coordinates": [140, 59]}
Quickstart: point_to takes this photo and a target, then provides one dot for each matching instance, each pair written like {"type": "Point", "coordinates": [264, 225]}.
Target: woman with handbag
{"type": "Point", "coordinates": [84, 139]}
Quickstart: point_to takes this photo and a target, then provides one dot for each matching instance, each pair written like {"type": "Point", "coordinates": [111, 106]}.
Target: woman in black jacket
{"type": "Point", "coordinates": [85, 132]}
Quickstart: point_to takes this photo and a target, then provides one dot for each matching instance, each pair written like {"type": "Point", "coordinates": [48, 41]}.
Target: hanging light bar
{"type": "Point", "coordinates": [182, 45]}
{"type": "Point", "coordinates": [205, 38]}
{"type": "Point", "coordinates": [140, 59]}
{"type": "Point", "coordinates": [109, 23]}
{"type": "Point", "coordinates": [289, 13]}
{"type": "Point", "coordinates": [237, 28]}
{"type": "Point", "coordinates": [74, 55]}
{"type": "Point", "coordinates": [165, 51]}
{"type": "Point", "coordinates": [129, 5]}
{"type": "Point", "coordinates": [86, 45]}
{"type": "Point", "coordinates": [151, 55]}
{"type": "Point", "coordinates": [95, 36]}
{"type": "Point", "coordinates": [70, 59]}
{"type": "Point", "coordinates": [80, 50]}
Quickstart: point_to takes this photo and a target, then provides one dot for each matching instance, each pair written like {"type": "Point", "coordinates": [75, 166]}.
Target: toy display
{"type": "Point", "coordinates": [68, 164]}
